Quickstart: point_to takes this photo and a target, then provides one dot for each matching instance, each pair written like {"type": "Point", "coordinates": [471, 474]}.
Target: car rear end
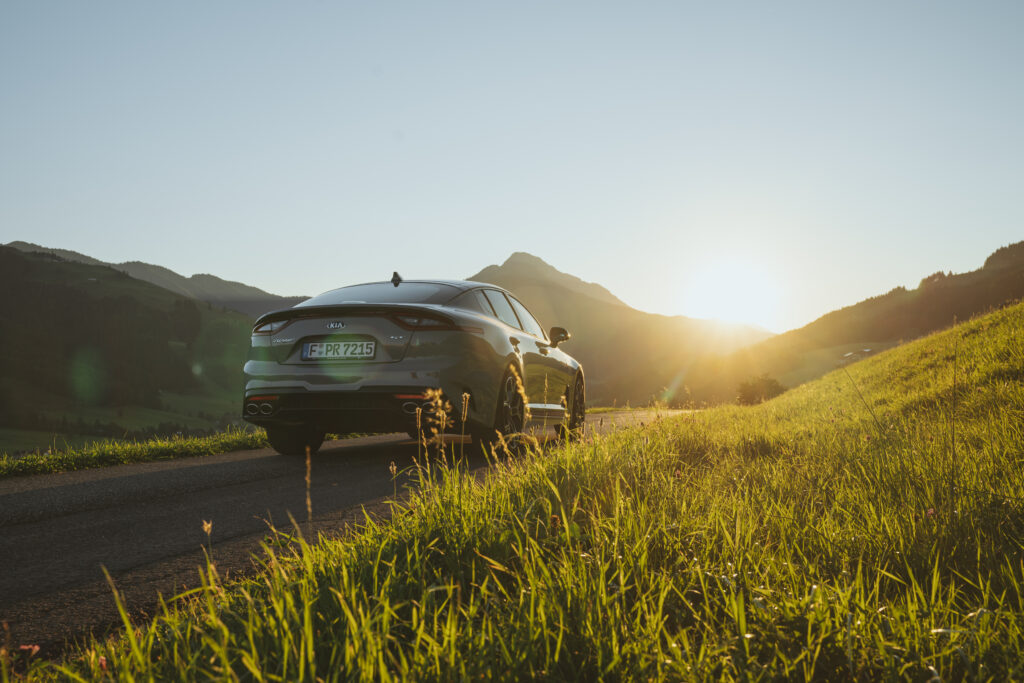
{"type": "Point", "coordinates": [365, 367]}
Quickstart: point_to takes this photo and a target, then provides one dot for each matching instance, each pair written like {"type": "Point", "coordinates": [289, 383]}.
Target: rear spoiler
{"type": "Point", "coordinates": [403, 314]}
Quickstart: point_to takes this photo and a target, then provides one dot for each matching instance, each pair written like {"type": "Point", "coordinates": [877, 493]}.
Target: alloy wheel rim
{"type": "Point", "coordinates": [513, 407]}
{"type": "Point", "coordinates": [578, 409]}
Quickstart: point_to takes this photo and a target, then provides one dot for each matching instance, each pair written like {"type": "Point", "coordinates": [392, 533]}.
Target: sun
{"type": "Point", "coordinates": [733, 290]}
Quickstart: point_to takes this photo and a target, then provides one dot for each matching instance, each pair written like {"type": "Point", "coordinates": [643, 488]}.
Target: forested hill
{"type": "Point", "coordinates": [75, 336]}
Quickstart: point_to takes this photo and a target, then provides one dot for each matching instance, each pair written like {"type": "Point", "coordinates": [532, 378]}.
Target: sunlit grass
{"type": "Point", "coordinates": [114, 452]}
{"type": "Point", "coordinates": [866, 526]}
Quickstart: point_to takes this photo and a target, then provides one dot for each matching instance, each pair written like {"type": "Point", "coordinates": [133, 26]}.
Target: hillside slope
{"type": "Point", "coordinates": [876, 324]}
{"type": "Point", "coordinates": [208, 288]}
{"type": "Point", "coordinates": [89, 349]}
{"type": "Point", "coordinates": [627, 355]}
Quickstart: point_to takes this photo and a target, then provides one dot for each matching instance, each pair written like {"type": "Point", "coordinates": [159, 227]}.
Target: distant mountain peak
{"type": "Point", "coordinates": [524, 258]}
{"type": "Point", "coordinates": [522, 267]}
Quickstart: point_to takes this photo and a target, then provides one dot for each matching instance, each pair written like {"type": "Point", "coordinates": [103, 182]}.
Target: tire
{"type": "Point", "coordinates": [510, 414]}
{"type": "Point", "coordinates": [293, 441]}
{"type": "Point", "coordinates": [511, 405]}
{"type": "Point", "coordinates": [575, 425]}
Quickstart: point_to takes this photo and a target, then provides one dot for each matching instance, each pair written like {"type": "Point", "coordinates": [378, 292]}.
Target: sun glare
{"type": "Point", "coordinates": [733, 291]}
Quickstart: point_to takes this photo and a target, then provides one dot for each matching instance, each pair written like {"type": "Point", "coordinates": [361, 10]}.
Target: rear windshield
{"type": "Point", "coordinates": [385, 293]}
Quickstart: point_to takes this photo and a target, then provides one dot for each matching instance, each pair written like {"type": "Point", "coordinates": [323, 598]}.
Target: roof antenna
{"type": "Point", "coordinates": [396, 279]}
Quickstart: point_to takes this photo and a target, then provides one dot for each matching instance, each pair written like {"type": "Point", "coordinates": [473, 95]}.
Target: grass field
{"type": "Point", "coordinates": [865, 526]}
{"type": "Point", "coordinates": [92, 454]}
{"type": "Point", "coordinates": [189, 411]}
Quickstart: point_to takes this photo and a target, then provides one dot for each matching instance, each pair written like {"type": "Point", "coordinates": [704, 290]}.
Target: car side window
{"type": "Point", "coordinates": [530, 323]}
{"type": "Point", "coordinates": [485, 306]}
{"type": "Point", "coordinates": [502, 308]}
{"type": "Point", "coordinates": [473, 301]}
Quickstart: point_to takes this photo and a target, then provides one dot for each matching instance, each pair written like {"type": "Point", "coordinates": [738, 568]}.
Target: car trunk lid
{"type": "Point", "coordinates": [349, 334]}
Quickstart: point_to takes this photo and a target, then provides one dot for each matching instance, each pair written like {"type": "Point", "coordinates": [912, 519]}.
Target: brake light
{"type": "Point", "coordinates": [422, 322]}
{"type": "Point", "coordinates": [271, 327]}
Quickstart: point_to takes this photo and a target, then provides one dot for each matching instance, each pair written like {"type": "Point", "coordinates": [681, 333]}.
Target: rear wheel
{"type": "Point", "coordinates": [577, 411]}
{"type": "Point", "coordinates": [295, 440]}
{"type": "Point", "coordinates": [510, 416]}
{"type": "Point", "coordinates": [512, 411]}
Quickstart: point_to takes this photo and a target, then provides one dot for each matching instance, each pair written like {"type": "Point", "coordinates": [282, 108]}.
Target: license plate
{"type": "Point", "coordinates": [338, 350]}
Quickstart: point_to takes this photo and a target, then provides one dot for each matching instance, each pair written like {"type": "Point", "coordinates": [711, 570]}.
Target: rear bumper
{"type": "Point", "coordinates": [382, 409]}
{"type": "Point", "coordinates": [365, 398]}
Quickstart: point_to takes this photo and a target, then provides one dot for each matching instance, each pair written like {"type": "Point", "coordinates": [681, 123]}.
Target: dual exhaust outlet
{"type": "Point", "coordinates": [259, 409]}
{"type": "Point", "coordinates": [261, 405]}
{"type": "Point", "coordinates": [409, 407]}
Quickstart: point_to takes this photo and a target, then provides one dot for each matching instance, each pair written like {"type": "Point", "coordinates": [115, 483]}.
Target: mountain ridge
{"type": "Point", "coordinates": [230, 294]}
{"type": "Point", "coordinates": [525, 264]}
{"type": "Point", "coordinates": [625, 352]}
{"type": "Point", "coordinates": [631, 355]}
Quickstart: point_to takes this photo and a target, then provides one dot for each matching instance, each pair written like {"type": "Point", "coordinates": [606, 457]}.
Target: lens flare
{"type": "Point", "coordinates": [87, 375]}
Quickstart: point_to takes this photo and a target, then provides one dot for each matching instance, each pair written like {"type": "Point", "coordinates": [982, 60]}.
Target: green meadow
{"type": "Point", "coordinates": [865, 526]}
{"type": "Point", "coordinates": [91, 454]}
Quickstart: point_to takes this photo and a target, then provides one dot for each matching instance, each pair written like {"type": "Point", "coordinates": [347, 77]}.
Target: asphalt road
{"type": "Point", "coordinates": [144, 523]}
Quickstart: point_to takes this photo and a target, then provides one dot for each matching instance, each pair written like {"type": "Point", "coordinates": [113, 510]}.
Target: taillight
{"type": "Point", "coordinates": [270, 328]}
{"type": "Point", "coordinates": [423, 322]}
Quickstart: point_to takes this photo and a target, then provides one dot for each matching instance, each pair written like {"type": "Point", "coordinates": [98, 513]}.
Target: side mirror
{"type": "Point", "coordinates": [557, 335]}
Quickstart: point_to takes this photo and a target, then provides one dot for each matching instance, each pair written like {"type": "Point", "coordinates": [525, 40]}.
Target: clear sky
{"type": "Point", "coordinates": [762, 161]}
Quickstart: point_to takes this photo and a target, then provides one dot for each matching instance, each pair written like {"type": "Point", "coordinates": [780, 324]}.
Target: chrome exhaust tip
{"type": "Point", "coordinates": [252, 409]}
{"type": "Point", "coordinates": [409, 408]}
{"type": "Point", "coordinates": [266, 408]}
